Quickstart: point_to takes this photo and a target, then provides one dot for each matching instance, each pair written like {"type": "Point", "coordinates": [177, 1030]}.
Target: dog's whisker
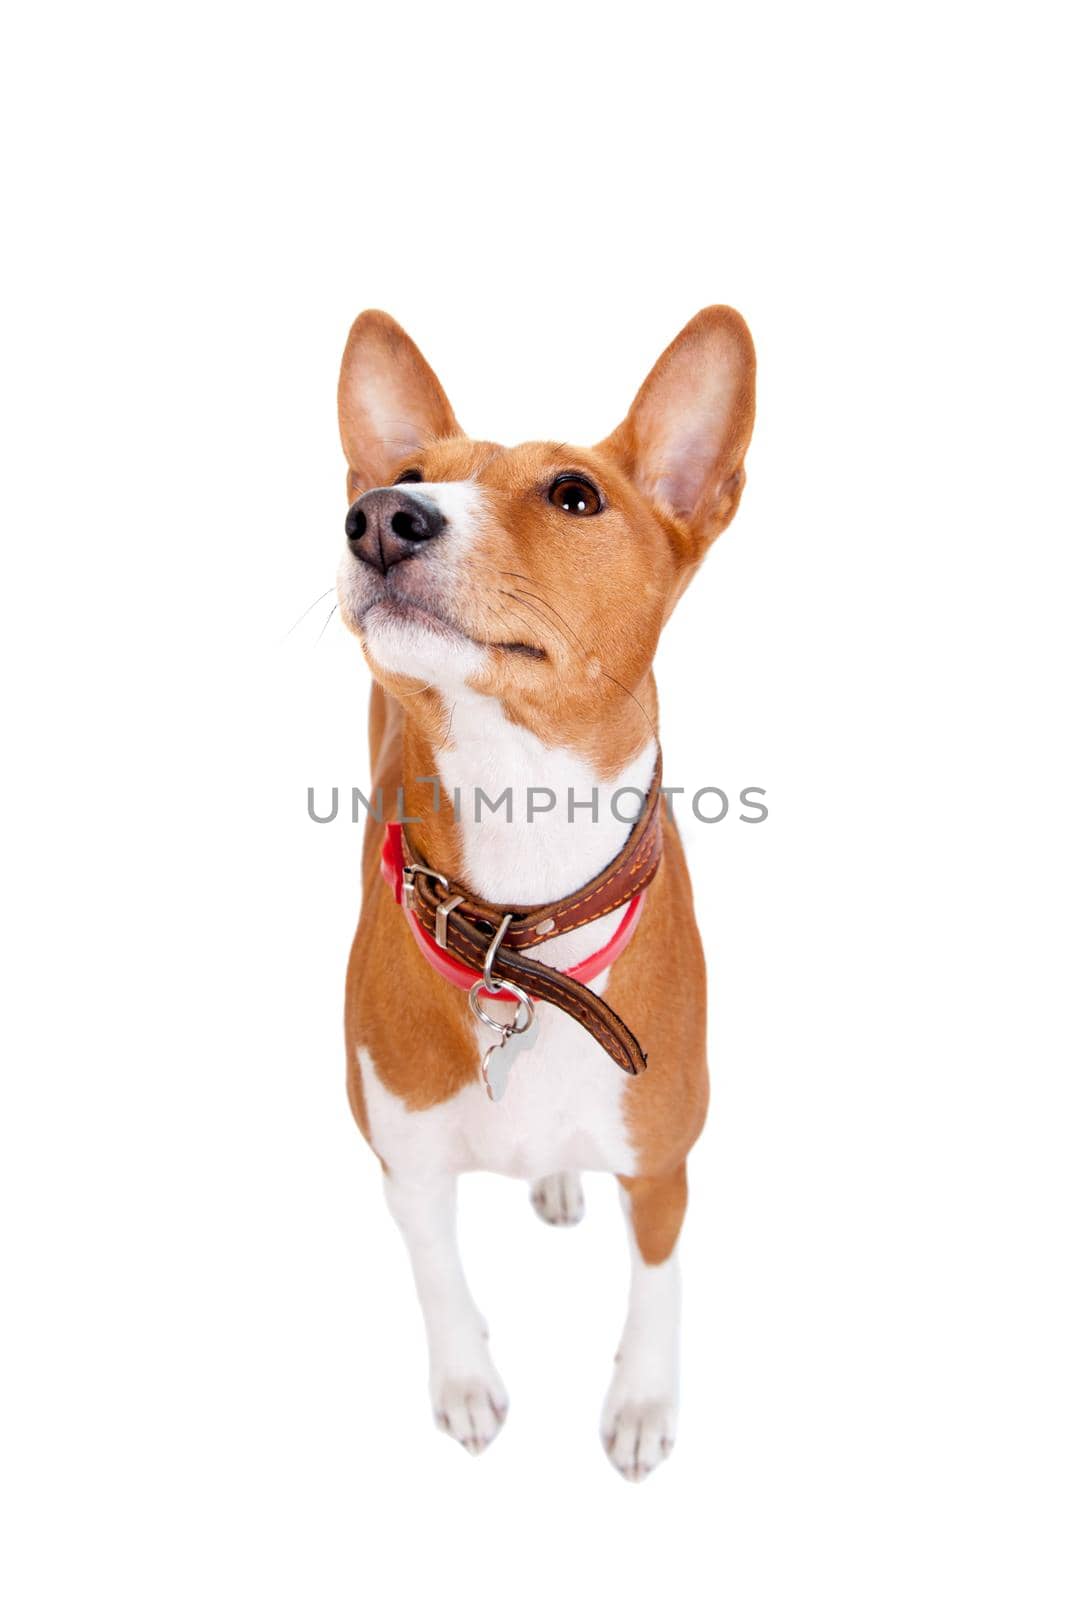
{"type": "Point", "coordinates": [542, 601]}
{"type": "Point", "coordinates": [652, 726]}
{"type": "Point", "coordinates": [531, 607]}
{"type": "Point", "coordinates": [504, 618]}
{"type": "Point", "coordinates": [604, 672]}
{"type": "Point", "coordinates": [525, 577]}
{"type": "Point", "coordinates": [535, 591]}
{"type": "Point", "coordinates": [307, 612]}
{"type": "Point", "coordinates": [326, 624]}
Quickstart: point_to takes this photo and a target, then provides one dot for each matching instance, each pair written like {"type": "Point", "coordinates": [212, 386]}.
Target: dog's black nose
{"type": "Point", "coordinates": [385, 526]}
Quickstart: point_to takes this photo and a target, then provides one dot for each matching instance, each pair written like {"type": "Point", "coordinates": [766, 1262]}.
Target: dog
{"type": "Point", "coordinates": [527, 924]}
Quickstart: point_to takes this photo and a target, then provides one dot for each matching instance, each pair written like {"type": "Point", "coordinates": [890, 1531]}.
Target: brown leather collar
{"type": "Point", "coordinates": [466, 926]}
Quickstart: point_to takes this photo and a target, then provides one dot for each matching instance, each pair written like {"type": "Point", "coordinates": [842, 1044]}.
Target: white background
{"type": "Point", "coordinates": [213, 1358]}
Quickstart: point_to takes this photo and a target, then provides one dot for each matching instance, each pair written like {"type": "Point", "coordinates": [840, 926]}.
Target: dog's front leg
{"type": "Point", "coordinates": [640, 1411]}
{"type": "Point", "coordinates": [469, 1400]}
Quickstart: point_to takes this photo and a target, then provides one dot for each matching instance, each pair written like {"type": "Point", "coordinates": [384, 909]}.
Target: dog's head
{"type": "Point", "coordinates": [539, 574]}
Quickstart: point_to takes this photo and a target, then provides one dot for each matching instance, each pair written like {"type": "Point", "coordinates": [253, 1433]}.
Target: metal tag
{"type": "Point", "coordinates": [500, 1058]}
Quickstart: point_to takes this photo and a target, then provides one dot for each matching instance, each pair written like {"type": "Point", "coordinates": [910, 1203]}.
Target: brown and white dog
{"type": "Point", "coordinates": [509, 602]}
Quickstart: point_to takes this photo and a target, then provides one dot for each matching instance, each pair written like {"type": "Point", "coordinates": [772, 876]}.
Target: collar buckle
{"type": "Point", "coordinates": [408, 890]}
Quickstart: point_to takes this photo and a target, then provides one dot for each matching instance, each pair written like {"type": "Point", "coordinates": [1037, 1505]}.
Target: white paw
{"type": "Point", "coordinates": [638, 1434]}
{"type": "Point", "coordinates": [558, 1200]}
{"type": "Point", "coordinates": [472, 1410]}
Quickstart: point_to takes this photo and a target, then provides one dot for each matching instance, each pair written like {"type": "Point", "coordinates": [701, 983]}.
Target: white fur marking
{"type": "Point", "coordinates": [639, 1420]}
{"type": "Point", "coordinates": [563, 1112]}
{"type": "Point", "coordinates": [528, 861]}
{"type": "Point", "coordinates": [469, 1400]}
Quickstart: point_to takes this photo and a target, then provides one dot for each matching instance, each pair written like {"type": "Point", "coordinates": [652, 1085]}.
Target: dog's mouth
{"type": "Point", "coordinates": [391, 608]}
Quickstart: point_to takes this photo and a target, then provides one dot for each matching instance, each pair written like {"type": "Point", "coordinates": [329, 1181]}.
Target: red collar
{"type": "Point", "coordinates": [457, 972]}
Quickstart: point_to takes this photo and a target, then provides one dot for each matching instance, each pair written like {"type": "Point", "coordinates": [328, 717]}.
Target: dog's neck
{"type": "Point", "coordinates": [537, 854]}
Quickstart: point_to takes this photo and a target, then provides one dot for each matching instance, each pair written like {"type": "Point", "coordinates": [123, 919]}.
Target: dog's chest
{"type": "Point", "coordinates": [564, 1108]}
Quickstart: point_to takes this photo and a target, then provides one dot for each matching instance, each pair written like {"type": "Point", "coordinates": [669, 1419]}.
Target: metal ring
{"type": "Point", "coordinates": [522, 1001]}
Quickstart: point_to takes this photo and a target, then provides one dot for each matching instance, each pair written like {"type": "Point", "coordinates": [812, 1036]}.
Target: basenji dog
{"type": "Point", "coordinates": [527, 923]}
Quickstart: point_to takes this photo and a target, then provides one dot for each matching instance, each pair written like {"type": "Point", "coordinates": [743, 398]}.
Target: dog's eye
{"type": "Point", "coordinates": [412, 475]}
{"type": "Point", "coordinates": [576, 496]}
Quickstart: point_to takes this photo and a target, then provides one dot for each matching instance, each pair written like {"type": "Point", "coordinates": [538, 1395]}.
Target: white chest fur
{"type": "Point", "coordinates": [563, 1111]}
{"type": "Point", "coordinates": [528, 859]}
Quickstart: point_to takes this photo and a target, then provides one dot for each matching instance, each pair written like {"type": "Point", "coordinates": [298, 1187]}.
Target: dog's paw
{"type": "Point", "coordinates": [638, 1434]}
{"type": "Point", "coordinates": [558, 1200]}
{"type": "Point", "coordinates": [471, 1410]}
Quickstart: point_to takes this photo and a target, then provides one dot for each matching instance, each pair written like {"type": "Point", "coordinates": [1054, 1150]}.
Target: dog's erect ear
{"type": "Point", "coordinates": [388, 399]}
{"type": "Point", "coordinates": [684, 439]}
